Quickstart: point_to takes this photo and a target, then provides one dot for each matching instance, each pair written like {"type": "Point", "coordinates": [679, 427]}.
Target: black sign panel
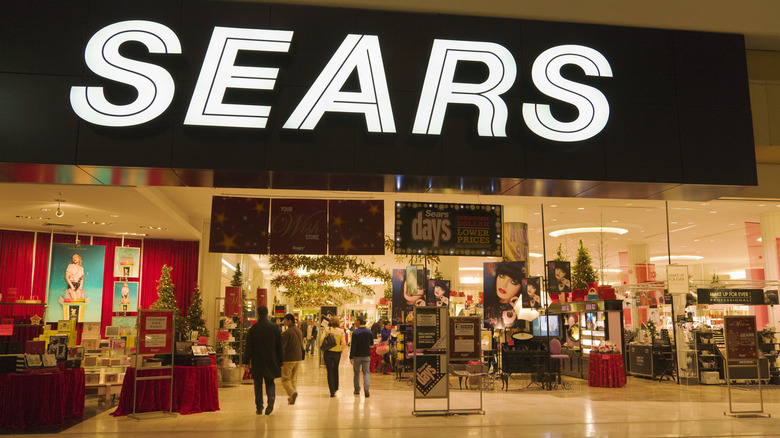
{"type": "Point", "coordinates": [447, 229]}
{"type": "Point", "coordinates": [673, 97]}
{"type": "Point", "coordinates": [745, 297]}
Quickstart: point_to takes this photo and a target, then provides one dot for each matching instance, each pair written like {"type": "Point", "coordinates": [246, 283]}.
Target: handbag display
{"type": "Point", "coordinates": [382, 348]}
{"type": "Point", "coordinates": [328, 342]}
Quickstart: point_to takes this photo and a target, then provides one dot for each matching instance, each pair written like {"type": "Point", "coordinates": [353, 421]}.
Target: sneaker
{"type": "Point", "coordinates": [367, 394]}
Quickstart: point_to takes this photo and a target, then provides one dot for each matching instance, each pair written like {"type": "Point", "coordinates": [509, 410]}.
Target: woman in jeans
{"type": "Point", "coordinates": [332, 356]}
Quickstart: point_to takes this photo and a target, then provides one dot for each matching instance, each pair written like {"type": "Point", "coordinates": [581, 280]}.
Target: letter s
{"type": "Point", "coordinates": [153, 83]}
{"type": "Point", "coordinates": [591, 103]}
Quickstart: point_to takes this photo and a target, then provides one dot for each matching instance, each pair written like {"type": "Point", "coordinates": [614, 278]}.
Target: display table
{"type": "Point", "coordinates": [194, 391]}
{"type": "Point", "coordinates": [606, 370]}
{"type": "Point", "coordinates": [40, 400]}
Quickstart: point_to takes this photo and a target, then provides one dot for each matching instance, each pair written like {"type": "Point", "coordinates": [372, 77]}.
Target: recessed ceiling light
{"type": "Point", "coordinates": [153, 228]}
{"type": "Point", "coordinates": [762, 205]}
{"type": "Point", "coordinates": [46, 209]}
{"type": "Point", "coordinates": [581, 230]}
{"type": "Point", "coordinates": [553, 205]}
{"type": "Point", "coordinates": [534, 255]}
{"type": "Point", "coordinates": [629, 204]}
{"type": "Point", "coordinates": [114, 215]}
{"type": "Point", "coordinates": [554, 220]}
{"type": "Point", "coordinates": [713, 211]}
{"type": "Point", "coordinates": [615, 221]}
{"type": "Point", "coordinates": [675, 257]}
{"type": "Point", "coordinates": [580, 208]}
{"type": "Point", "coordinates": [760, 239]}
{"type": "Point", "coordinates": [673, 222]}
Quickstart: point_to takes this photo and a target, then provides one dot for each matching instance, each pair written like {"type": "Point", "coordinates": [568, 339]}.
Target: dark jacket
{"type": "Point", "coordinates": [292, 344]}
{"type": "Point", "coordinates": [375, 329]}
{"type": "Point", "coordinates": [264, 349]}
{"type": "Point", "coordinates": [362, 340]}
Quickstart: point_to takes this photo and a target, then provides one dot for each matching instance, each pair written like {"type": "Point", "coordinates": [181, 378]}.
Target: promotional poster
{"type": "Point", "coordinates": [75, 282]}
{"type": "Point", "coordinates": [502, 285]}
{"type": "Point", "coordinates": [559, 276]}
{"type": "Point", "coordinates": [439, 293]}
{"type": "Point", "coordinates": [407, 294]}
{"type": "Point", "coordinates": [447, 229]}
{"type": "Point", "coordinates": [532, 293]}
{"type": "Point", "coordinates": [125, 296]}
{"type": "Point", "coordinates": [127, 262]}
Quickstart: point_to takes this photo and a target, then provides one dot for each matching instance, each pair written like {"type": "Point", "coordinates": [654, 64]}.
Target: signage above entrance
{"type": "Point", "coordinates": [249, 91]}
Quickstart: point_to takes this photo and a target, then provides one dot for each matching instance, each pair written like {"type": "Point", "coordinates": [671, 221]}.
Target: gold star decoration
{"type": "Point", "coordinates": [374, 209]}
{"type": "Point", "coordinates": [221, 218]}
{"type": "Point", "coordinates": [346, 244]}
{"type": "Point", "coordinates": [228, 241]}
{"type": "Point", "coordinates": [337, 221]}
{"type": "Point", "coordinates": [35, 319]}
{"type": "Point", "coordinates": [259, 207]}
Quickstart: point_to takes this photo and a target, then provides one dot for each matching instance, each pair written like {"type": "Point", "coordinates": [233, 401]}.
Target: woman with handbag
{"type": "Point", "coordinates": [332, 352]}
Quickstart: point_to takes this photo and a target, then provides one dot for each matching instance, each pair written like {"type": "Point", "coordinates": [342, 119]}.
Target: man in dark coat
{"type": "Point", "coordinates": [264, 355]}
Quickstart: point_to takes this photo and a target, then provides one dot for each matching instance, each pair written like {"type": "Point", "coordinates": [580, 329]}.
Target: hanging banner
{"type": "Point", "coordinates": [239, 225]}
{"type": "Point", "coordinates": [515, 241]}
{"type": "Point", "coordinates": [532, 293]}
{"type": "Point", "coordinates": [127, 262]}
{"type": "Point", "coordinates": [559, 277]}
{"type": "Point", "coordinates": [262, 296]}
{"type": "Point", "coordinates": [76, 282]}
{"type": "Point", "coordinates": [447, 229]}
{"type": "Point", "coordinates": [299, 226]}
{"type": "Point", "coordinates": [677, 278]}
{"type": "Point", "coordinates": [356, 227]}
{"type": "Point", "coordinates": [745, 297]}
{"type": "Point", "coordinates": [154, 333]}
{"type": "Point", "coordinates": [125, 296]}
{"type": "Point", "coordinates": [439, 293]}
{"type": "Point", "coordinates": [232, 301]}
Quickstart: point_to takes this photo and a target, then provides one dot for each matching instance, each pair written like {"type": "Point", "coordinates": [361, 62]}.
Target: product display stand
{"type": "Point", "coordinates": [741, 353]}
{"type": "Point", "coordinates": [155, 330]}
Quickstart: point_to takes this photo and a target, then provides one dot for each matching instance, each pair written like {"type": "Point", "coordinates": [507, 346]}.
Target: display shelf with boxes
{"type": "Point", "coordinates": [770, 348]}
{"type": "Point", "coordinates": [709, 360]}
{"type": "Point", "coordinates": [106, 360]}
{"type": "Point", "coordinates": [230, 340]}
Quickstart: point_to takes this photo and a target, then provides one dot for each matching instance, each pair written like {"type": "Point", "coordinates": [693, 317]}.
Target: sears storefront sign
{"type": "Point", "coordinates": [297, 88]}
{"type": "Point", "coordinates": [358, 54]}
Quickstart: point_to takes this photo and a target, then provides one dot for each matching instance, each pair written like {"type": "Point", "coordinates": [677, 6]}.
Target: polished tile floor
{"type": "Point", "coordinates": [641, 409]}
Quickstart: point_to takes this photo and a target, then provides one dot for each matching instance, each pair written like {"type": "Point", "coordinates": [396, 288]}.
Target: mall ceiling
{"type": "Point", "coordinates": [712, 230]}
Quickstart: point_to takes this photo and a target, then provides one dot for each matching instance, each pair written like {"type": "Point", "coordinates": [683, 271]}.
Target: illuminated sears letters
{"type": "Point", "coordinates": [153, 83]}
{"type": "Point", "coordinates": [357, 52]}
{"type": "Point", "coordinates": [439, 88]}
{"type": "Point", "coordinates": [591, 103]}
{"type": "Point", "coordinates": [219, 73]}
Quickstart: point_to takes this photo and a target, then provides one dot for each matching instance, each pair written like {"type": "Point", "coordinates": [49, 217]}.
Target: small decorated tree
{"type": "Point", "coordinates": [166, 300]}
{"type": "Point", "coordinates": [559, 256]}
{"type": "Point", "coordinates": [195, 321]}
{"type": "Point", "coordinates": [583, 272]}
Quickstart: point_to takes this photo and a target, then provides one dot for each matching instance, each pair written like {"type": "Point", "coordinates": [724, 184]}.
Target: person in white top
{"type": "Point", "coordinates": [74, 276]}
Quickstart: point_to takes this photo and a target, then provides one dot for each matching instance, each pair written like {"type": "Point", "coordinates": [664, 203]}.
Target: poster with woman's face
{"type": "Point", "coordinates": [532, 293]}
{"type": "Point", "coordinates": [407, 294]}
{"type": "Point", "coordinates": [503, 288]}
{"type": "Point", "coordinates": [559, 276]}
{"type": "Point", "coordinates": [76, 279]}
{"type": "Point", "coordinates": [439, 293]}
{"type": "Point", "coordinates": [125, 296]}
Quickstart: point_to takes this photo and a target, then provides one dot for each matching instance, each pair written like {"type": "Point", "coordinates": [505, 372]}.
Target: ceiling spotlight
{"type": "Point", "coordinates": [59, 212]}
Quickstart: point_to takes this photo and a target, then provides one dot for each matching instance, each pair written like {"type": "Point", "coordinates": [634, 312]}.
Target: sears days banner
{"type": "Point", "coordinates": [447, 229]}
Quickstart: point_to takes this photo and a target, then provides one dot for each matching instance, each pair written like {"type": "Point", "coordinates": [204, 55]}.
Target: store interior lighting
{"type": "Point", "coordinates": [609, 230]}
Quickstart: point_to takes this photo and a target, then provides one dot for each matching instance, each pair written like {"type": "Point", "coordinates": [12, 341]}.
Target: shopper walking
{"type": "Point", "coordinates": [360, 355]}
{"type": "Point", "coordinates": [263, 356]}
{"type": "Point", "coordinates": [386, 336]}
{"type": "Point", "coordinates": [332, 356]}
{"type": "Point", "coordinates": [311, 337]}
{"type": "Point", "coordinates": [376, 328]}
{"type": "Point", "coordinates": [292, 347]}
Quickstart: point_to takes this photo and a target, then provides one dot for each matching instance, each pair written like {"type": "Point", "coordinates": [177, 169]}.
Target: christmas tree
{"type": "Point", "coordinates": [166, 300]}
{"type": "Point", "coordinates": [583, 273]}
{"type": "Point", "coordinates": [195, 321]}
{"type": "Point", "coordinates": [559, 257]}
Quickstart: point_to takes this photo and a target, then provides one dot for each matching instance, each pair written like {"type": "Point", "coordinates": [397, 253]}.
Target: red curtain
{"type": "Point", "coordinates": [19, 248]}
{"type": "Point", "coordinates": [182, 256]}
{"type": "Point", "coordinates": [16, 256]}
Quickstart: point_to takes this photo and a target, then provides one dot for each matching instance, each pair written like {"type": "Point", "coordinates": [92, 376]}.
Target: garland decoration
{"type": "Point", "coordinates": [329, 279]}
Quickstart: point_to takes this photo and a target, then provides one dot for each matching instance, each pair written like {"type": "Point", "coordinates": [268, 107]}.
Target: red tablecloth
{"type": "Point", "coordinates": [194, 391]}
{"type": "Point", "coordinates": [40, 400]}
{"type": "Point", "coordinates": [375, 360]}
{"type": "Point", "coordinates": [606, 370]}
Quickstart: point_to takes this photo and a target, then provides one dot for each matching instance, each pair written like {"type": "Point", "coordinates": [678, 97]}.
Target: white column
{"type": "Point", "coordinates": [770, 232]}
{"type": "Point", "coordinates": [209, 279]}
